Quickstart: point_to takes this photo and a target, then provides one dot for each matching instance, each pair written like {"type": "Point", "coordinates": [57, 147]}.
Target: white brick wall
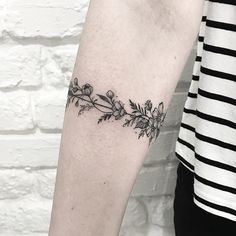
{"type": "Point", "coordinates": [38, 45]}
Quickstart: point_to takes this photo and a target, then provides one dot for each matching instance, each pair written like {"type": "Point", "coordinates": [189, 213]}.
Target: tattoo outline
{"type": "Point", "coordinates": [147, 119]}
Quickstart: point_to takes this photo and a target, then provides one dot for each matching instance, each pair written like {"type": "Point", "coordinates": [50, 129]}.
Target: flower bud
{"type": "Point", "coordinates": [148, 105]}
{"type": "Point", "coordinates": [110, 94]}
{"type": "Point", "coordinates": [87, 89]}
{"type": "Point", "coordinates": [118, 110]}
{"type": "Point", "coordinates": [155, 112]}
{"type": "Point", "coordinates": [76, 81]}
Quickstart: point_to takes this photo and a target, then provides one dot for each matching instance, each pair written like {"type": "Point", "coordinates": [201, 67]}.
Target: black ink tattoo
{"type": "Point", "coordinates": [147, 119]}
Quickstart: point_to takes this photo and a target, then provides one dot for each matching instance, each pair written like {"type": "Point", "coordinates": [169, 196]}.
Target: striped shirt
{"type": "Point", "coordinates": [206, 144]}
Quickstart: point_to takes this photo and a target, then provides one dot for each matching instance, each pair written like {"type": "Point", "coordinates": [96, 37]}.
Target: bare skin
{"type": "Point", "coordinates": [136, 49]}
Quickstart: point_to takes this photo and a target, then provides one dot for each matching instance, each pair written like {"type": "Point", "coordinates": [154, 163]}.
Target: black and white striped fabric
{"type": "Point", "coordinates": [207, 138]}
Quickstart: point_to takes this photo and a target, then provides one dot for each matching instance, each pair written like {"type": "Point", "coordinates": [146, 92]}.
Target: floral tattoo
{"type": "Point", "coordinates": [146, 119]}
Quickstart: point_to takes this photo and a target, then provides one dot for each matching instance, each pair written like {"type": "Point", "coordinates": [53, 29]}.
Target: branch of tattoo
{"type": "Point", "coordinates": [147, 119]}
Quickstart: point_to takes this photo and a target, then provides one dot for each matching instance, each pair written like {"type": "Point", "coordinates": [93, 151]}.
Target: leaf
{"type": "Point", "coordinates": [131, 121]}
{"type": "Point", "coordinates": [127, 123]}
{"type": "Point", "coordinates": [77, 103]}
{"type": "Point", "coordinates": [70, 93]}
{"type": "Point", "coordinates": [137, 113]}
{"type": "Point", "coordinates": [150, 140]}
{"type": "Point", "coordinates": [105, 117]}
{"type": "Point", "coordinates": [139, 108]}
{"type": "Point", "coordinates": [157, 133]}
{"type": "Point", "coordinates": [142, 110]}
{"type": "Point", "coordinates": [141, 134]}
{"type": "Point", "coordinates": [74, 89]}
{"type": "Point", "coordinates": [161, 107]}
{"type": "Point", "coordinates": [139, 118]}
{"type": "Point", "coordinates": [85, 107]}
{"type": "Point", "coordinates": [104, 98]}
{"type": "Point", "coordinates": [141, 124]}
{"type": "Point", "coordinates": [133, 105]}
{"type": "Point", "coordinates": [134, 120]}
{"type": "Point", "coordinates": [145, 111]}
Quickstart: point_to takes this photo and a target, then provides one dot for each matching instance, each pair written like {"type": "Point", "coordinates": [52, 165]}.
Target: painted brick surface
{"type": "Point", "coordinates": [38, 44]}
{"type": "Point", "coordinates": [16, 111]}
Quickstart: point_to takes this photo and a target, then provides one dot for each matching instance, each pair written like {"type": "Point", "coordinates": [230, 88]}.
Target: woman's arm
{"type": "Point", "coordinates": [136, 50]}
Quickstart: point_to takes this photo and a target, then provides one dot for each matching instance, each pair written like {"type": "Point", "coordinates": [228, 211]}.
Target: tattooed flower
{"type": "Point", "coordinates": [73, 86]}
{"type": "Point", "coordinates": [153, 129]}
{"type": "Point", "coordinates": [142, 124]}
{"type": "Point", "coordinates": [146, 119]}
{"type": "Point", "coordinates": [153, 133]}
{"type": "Point", "coordinates": [75, 89]}
{"type": "Point", "coordinates": [118, 110]}
{"type": "Point", "coordinates": [87, 89]}
{"type": "Point", "coordinates": [155, 112]}
{"type": "Point", "coordinates": [156, 121]}
{"type": "Point", "coordinates": [148, 105]}
{"type": "Point", "coordinates": [158, 111]}
{"type": "Point", "coordinates": [110, 94]}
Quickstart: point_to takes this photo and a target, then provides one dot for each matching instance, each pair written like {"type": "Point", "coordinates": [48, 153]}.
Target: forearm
{"type": "Point", "coordinates": [136, 49]}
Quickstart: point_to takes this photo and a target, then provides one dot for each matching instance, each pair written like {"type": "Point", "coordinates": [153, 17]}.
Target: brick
{"type": "Point", "coordinates": [157, 230]}
{"type": "Point", "coordinates": [20, 66]}
{"type": "Point", "coordinates": [135, 214]}
{"type": "Point", "coordinates": [2, 25]}
{"type": "Point", "coordinates": [22, 234]}
{"type": "Point", "coordinates": [175, 109]}
{"type": "Point", "coordinates": [46, 182]}
{"type": "Point", "coordinates": [25, 216]}
{"type": "Point", "coordinates": [148, 230]}
{"type": "Point", "coordinates": [67, 4]}
{"type": "Point", "coordinates": [163, 148]}
{"type": "Point", "coordinates": [15, 111]}
{"type": "Point", "coordinates": [59, 63]}
{"type": "Point", "coordinates": [15, 183]}
{"type": "Point", "coordinates": [2, 3]}
{"type": "Point", "coordinates": [161, 211]}
{"type": "Point", "coordinates": [50, 108]}
{"type": "Point", "coordinates": [29, 151]}
{"type": "Point", "coordinates": [155, 181]}
{"type": "Point", "coordinates": [188, 69]}
{"type": "Point", "coordinates": [27, 20]}
{"type": "Point", "coordinates": [134, 231]}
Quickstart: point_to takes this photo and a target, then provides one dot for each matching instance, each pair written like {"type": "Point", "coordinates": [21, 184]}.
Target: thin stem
{"type": "Point", "coordinates": [94, 103]}
{"type": "Point", "coordinates": [97, 104]}
{"type": "Point", "coordinates": [144, 116]}
{"type": "Point", "coordinates": [128, 114]}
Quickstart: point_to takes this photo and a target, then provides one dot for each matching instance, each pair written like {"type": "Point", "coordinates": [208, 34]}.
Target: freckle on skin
{"type": "Point", "coordinates": [72, 208]}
